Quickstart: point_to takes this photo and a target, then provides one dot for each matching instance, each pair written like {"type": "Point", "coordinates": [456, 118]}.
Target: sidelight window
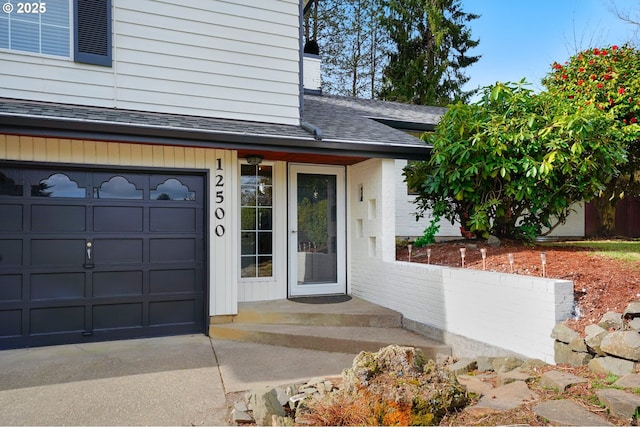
{"type": "Point", "coordinates": [256, 222]}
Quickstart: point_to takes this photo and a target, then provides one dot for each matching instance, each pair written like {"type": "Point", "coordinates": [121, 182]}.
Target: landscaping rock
{"type": "Point", "coordinates": [632, 311]}
{"type": "Point", "coordinates": [463, 366]}
{"type": "Point", "coordinates": [611, 365]}
{"type": "Point", "coordinates": [619, 402]}
{"type": "Point", "coordinates": [477, 384]}
{"type": "Point", "coordinates": [517, 374]}
{"type": "Point", "coordinates": [398, 359]}
{"type": "Point", "coordinates": [564, 355]}
{"type": "Point", "coordinates": [634, 324]}
{"type": "Point", "coordinates": [625, 344]}
{"type": "Point", "coordinates": [506, 364]}
{"type": "Point", "coordinates": [567, 413]}
{"type": "Point", "coordinates": [264, 403]}
{"type": "Point", "coordinates": [563, 333]}
{"type": "Point", "coordinates": [533, 365]}
{"type": "Point", "coordinates": [503, 398]}
{"type": "Point", "coordinates": [240, 417]}
{"type": "Point", "coordinates": [629, 381]}
{"type": "Point", "coordinates": [593, 338]}
{"type": "Point", "coordinates": [493, 241]}
{"type": "Point", "coordinates": [484, 363]}
{"type": "Point", "coordinates": [611, 321]}
{"type": "Point", "coordinates": [560, 381]}
{"type": "Point", "coordinates": [578, 345]}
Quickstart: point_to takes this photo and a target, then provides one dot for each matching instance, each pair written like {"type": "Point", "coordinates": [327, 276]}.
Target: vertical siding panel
{"type": "Point", "coordinates": [200, 158]}
{"type": "Point", "coordinates": [39, 148]}
{"type": "Point", "coordinates": [113, 153]}
{"type": "Point", "coordinates": [3, 146]}
{"type": "Point", "coordinates": [26, 148]}
{"type": "Point", "coordinates": [190, 157]}
{"type": "Point", "coordinates": [77, 151]}
{"type": "Point", "coordinates": [53, 150]}
{"type": "Point", "coordinates": [136, 154]}
{"type": "Point", "coordinates": [169, 157]}
{"type": "Point", "coordinates": [90, 152]}
{"type": "Point", "coordinates": [65, 150]}
{"type": "Point", "coordinates": [125, 154]}
{"type": "Point", "coordinates": [102, 153]}
{"type": "Point", "coordinates": [147, 156]}
{"type": "Point", "coordinates": [158, 156]}
{"type": "Point", "coordinates": [178, 157]}
{"type": "Point", "coordinates": [12, 148]}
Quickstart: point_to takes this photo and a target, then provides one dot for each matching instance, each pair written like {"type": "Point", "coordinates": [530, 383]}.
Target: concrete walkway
{"type": "Point", "coordinates": [181, 380]}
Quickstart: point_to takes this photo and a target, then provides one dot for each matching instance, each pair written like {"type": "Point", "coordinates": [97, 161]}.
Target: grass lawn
{"type": "Point", "coordinates": [622, 250]}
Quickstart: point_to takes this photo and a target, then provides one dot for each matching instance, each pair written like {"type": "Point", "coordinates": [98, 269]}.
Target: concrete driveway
{"type": "Point", "coordinates": [156, 381]}
{"type": "Point", "coordinates": [179, 380]}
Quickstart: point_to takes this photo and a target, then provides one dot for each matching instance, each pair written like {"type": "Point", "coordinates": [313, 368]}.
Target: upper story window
{"type": "Point", "coordinates": [38, 27]}
{"type": "Point", "coordinates": [48, 27]}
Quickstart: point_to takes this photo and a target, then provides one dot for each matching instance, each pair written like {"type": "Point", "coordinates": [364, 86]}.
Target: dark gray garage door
{"type": "Point", "coordinates": [91, 255]}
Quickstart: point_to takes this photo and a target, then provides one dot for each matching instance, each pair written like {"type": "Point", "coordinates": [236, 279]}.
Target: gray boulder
{"type": "Point", "coordinates": [564, 355]}
{"type": "Point", "coordinates": [611, 320]}
{"type": "Point", "coordinates": [593, 338]}
{"type": "Point", "coordinates": [563, 333]}
{"type": "Point", "coordinates": [625, 344]}
{"type": "Point", "coordinates": [506, 364]}
{"type": "Point", "coordinates": [619, 402]}
{"type": "Point", "coordinates": [264, 403]}
{"type": "Point", "coordinates": [632, 311]}
{"type": "Point", "coordinates": [611, 365]}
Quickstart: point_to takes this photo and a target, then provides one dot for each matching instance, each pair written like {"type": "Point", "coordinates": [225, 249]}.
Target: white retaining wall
{"type": "Point", "coordinates": [468, 308]}
{"type": "Point", "coordinates": [474, 311]}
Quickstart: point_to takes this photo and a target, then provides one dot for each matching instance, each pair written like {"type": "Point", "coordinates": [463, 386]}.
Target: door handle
{"type": "Point", "coordinates": [89, 261]}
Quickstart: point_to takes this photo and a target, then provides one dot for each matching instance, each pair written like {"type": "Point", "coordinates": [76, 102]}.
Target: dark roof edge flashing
{"type": "Point", "coordinates": [404, 125]}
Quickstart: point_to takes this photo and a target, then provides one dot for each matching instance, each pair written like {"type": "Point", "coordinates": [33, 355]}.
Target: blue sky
{"type": "Point", "coordinates": [522, 38]}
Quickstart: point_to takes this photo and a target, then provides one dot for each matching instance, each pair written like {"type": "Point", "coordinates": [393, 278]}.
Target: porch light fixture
{"type": "Point", "coordinates": [253, 159]}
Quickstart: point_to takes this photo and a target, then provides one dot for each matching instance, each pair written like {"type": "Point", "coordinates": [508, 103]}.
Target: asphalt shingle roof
{"type": "Point", "coordinates": [345, 124]}
{"type": "Point", "coordinates": [352, 119]}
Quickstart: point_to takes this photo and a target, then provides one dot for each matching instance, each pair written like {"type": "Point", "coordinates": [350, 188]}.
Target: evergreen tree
{"type": "Point", "coordinates": [351, 43]}
{"type": "Point", "coordinates": [431, 42]}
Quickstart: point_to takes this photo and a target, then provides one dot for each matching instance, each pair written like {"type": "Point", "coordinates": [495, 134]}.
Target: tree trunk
{"type": "Point", "coordinates": [607, 210]}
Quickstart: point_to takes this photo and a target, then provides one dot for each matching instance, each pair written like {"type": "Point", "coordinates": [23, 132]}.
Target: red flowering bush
{"type": "Point", "coordinates": [608, 78]}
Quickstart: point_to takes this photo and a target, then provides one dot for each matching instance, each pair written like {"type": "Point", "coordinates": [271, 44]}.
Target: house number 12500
{"type": "Point", "coordinates": [219, 187]}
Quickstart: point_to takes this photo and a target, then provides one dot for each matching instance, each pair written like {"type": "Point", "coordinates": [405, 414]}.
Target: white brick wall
{"type": "Point", "coordinates": [507, 311]}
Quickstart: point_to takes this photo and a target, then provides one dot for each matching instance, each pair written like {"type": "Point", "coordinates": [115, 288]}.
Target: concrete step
{"type": "Point", "coordinates": [355, 312]}
{"type": "Point", "coordinates": [342, 339]}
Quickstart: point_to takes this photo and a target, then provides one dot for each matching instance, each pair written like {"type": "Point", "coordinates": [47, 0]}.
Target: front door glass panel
{"type": "Point", "coordinates": [317, 244]}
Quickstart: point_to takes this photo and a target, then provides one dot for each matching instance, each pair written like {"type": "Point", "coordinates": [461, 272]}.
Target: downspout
{"type": "Point", "coordinates": [312, 129]}
{"type": "Point", "coordinates": [301, 60]}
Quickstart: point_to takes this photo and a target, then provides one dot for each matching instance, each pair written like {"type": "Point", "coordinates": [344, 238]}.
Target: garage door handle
{"type": "Point", "coordinates": [89, 253]}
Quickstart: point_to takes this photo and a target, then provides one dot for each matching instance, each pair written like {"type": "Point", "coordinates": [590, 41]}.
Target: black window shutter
{"type": "Point", "coordinates": [92, 41]}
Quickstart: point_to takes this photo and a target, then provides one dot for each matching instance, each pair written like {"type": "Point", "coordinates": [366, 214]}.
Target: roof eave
{"type": "Point", "coordinates": [125, 132]}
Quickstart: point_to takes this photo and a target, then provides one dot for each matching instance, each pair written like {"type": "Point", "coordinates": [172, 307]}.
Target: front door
{"type": "Point", "coordinates": [317, 264]}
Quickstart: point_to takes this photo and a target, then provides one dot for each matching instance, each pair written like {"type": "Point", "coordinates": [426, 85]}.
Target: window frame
{"type": "Point", "coordinates": [256, 255]}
